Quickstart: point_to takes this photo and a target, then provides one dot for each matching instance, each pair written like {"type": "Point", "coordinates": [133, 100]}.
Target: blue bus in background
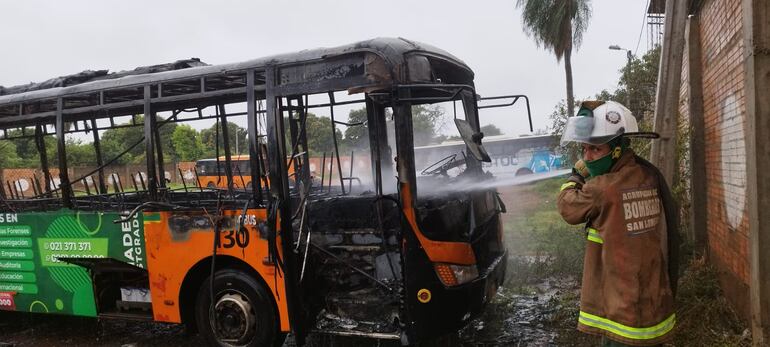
{"type": "Point", "coordinates": [510, 155]}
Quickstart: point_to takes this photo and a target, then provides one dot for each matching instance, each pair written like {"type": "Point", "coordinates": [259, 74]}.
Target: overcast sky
{"type": "Point", "coordinates": [45, 39]}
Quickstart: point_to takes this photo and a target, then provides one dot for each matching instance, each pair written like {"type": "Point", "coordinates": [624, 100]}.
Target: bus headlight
{"type": "Point", "coordinates": [454, 275]}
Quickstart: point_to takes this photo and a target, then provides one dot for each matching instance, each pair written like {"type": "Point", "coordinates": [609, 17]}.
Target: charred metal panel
{"type": "Point", "coordinates": [355, 271]}
{"type": "Point", "coordinates": [447, 218]}
{"type": "Point", "coordinates": [149, 142]}
{"type": "Point", "coordinates": [181, 225]}
{"type": "Point", "coordinates": [354, 72]}
{"type": "Point", "coordinates": [90, 75]}
{"type": "Point", "coordinates": [338, 68]}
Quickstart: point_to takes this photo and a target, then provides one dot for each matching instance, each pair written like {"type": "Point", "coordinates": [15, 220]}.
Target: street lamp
{"type": "Point", "coordinates": [630, 56]}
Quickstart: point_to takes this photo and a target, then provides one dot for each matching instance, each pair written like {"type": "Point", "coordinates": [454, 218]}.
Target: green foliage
{"type": "Point", "coordinates": [638, 80]}
{"type": "Point", "coordinates": [639, 77]}
{"type": "Point", "coordinates": [535, 230]}
{"type": "Point", "coordinates": [115, 141]}
{"type": "Point", "coordinates": [26, 152]}
{"type": "Point", "coordinates": [681, 188]}
{"type": "Point", "coordinates": [491, 130]}
{"type": "Point", "coordinates": [319, 137]}
{"type": "Point", "coordinates": [558, 121]}
{"type": "Point", "coordinates": [557, 25]}
{"type": "Point", "coordinates": [209, 138]}
{"type": "Point", "coordinates": [79, 153]}
{"type": "Point", "coordinates": [8, 156]}
{"type": "Point", "coordinates": [187, 143]}
{"type": "Point", "coordinates": [642, 146]}
{"type": "Point", "coordinates": [357, 136]}
{"type": "Point", "coordinates": [704, 316]}
{"type": "Point", "coordinates": [426, 123]}
{"type": "Point", "coordinates": [182, 142]}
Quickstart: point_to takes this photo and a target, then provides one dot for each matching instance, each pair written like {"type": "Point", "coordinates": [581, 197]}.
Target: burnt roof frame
{"type": "Point", "coordinates": [391, 54]}
{"type": "Point", "coordinates": [390, 51]}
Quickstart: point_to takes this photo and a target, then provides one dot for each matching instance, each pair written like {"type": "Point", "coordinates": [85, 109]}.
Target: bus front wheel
{"type": "Point", "coordinates": [523, 171]}
{"type": "Point", "coordinates": [242, 313]}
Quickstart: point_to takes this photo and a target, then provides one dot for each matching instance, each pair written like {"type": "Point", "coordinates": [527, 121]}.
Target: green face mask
{"type": "Point", "coordinates": [599, 166]}
{"type": "Point", "coordinates": [603, 165]}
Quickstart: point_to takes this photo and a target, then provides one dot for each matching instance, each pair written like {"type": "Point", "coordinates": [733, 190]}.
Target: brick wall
{"type": "Point", "coordinates": [725, 121]}
{"type": "Point", "coordinates": [21, 181]}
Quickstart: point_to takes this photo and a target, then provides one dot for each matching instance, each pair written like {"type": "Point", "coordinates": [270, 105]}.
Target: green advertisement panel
{"type": "Point", "coordinates": [33, 278]}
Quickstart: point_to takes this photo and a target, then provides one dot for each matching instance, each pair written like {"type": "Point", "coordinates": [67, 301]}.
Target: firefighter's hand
{"type": "Point", "coordinates": [579, 173]}
{"type": "Point", "coordinates": [575, 177]}
{"type": "Point", "coordinates": [581, 169]}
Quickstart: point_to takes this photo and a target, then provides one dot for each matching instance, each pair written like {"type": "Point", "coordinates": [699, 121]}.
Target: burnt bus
{"type": "Point", "coordinates": [390, 253]}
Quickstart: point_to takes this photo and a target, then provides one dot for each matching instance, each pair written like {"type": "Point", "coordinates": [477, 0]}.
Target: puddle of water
{"type": "Point", "coordinates": [518, 319]}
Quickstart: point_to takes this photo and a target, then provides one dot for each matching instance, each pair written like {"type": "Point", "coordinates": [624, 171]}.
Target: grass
{"type": "Point", "coordinates": [543, 247]}
{"type": "Point", "coordinates": [704, 316]}
{"type": "Point", "coordinates": [541, 244]}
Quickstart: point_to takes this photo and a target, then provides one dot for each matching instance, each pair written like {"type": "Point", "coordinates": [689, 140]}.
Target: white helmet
{"type": "Point", "coordinates": [598, 122]}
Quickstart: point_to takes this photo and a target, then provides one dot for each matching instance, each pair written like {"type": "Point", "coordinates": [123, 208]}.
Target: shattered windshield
{"type": "Point", "coordinates": [447, 147]}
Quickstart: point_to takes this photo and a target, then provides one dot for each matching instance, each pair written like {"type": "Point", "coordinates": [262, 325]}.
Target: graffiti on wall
{"type": "Point", "coordinates": [733, 161]}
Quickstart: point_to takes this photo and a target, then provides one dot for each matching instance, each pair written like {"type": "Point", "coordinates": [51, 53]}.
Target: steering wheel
{"type": "Point", "coordinates": [441, 166]}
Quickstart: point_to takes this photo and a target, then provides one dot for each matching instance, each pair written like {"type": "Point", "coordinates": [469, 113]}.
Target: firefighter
{"type": "Point", "coordinates": [630, 265]}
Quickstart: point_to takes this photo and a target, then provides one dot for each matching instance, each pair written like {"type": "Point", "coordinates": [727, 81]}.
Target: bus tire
{"type": "Point", "coordinates": [244, 314]}
{"type": "Point", "coordinates": [523, 171]}
{"type": "Point", "coordinates": [211, 185]}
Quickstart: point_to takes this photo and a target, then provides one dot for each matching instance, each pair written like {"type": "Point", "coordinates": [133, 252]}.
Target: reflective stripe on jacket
{"type": "Point", "coordinates": [626, 293]}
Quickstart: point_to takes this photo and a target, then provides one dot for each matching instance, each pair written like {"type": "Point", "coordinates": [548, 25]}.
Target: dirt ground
{"type": "Point", "coordinates": [521, 314]}
{"type": "Point", "coordinates": [537, 306]}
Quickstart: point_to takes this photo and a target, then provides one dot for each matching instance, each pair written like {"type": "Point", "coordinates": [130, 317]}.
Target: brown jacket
{"type": "Point", "coordinates": [627, 292]}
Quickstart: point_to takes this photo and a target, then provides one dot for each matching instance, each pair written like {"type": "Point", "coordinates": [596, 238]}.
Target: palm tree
{"type": "Point", "coordinates": [557, 25]}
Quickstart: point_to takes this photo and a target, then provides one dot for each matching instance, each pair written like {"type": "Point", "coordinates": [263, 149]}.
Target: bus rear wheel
{"type": "Point", "coordinates": [242, 313]}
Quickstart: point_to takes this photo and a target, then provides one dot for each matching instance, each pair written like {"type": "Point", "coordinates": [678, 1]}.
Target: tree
{"type": "Point", "coordinates": [187, 143]}
{"type": "Point", "coordinates": [319, 138]}
{"type": "Point", "coordinates": [209, 139]}
{"type": "Point", "coordinates": [8, 156]}
{"type": "Point", "coordinates": [639, 78]}
{"type": "Point", "coordinates": [357, 136]}
{"type": "Point", "coordinates": [79, 153]}
{"type": "Point", "coordinates": [490, 130]}
{"type": "Point", "coordinates": [427, 122]}
{"type": "Point", "coordinates": [116, 140]}
{"type": "Point", "coordinates": [26, 153]}
{"type": "Point", "coordinates": [557, 25]}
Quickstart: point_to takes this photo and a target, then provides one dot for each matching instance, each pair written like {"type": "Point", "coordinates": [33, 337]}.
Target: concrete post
{"type": "Point", "coordinates": [662, 153]}
{"type": "Point", "coordinates": [698, 206]}
{"type": "Point", "coordinates": [756, 30]}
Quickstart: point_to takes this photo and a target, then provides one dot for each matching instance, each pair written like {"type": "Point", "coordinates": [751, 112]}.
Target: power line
{"type": "Point", "coordinates": [641, 30]}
